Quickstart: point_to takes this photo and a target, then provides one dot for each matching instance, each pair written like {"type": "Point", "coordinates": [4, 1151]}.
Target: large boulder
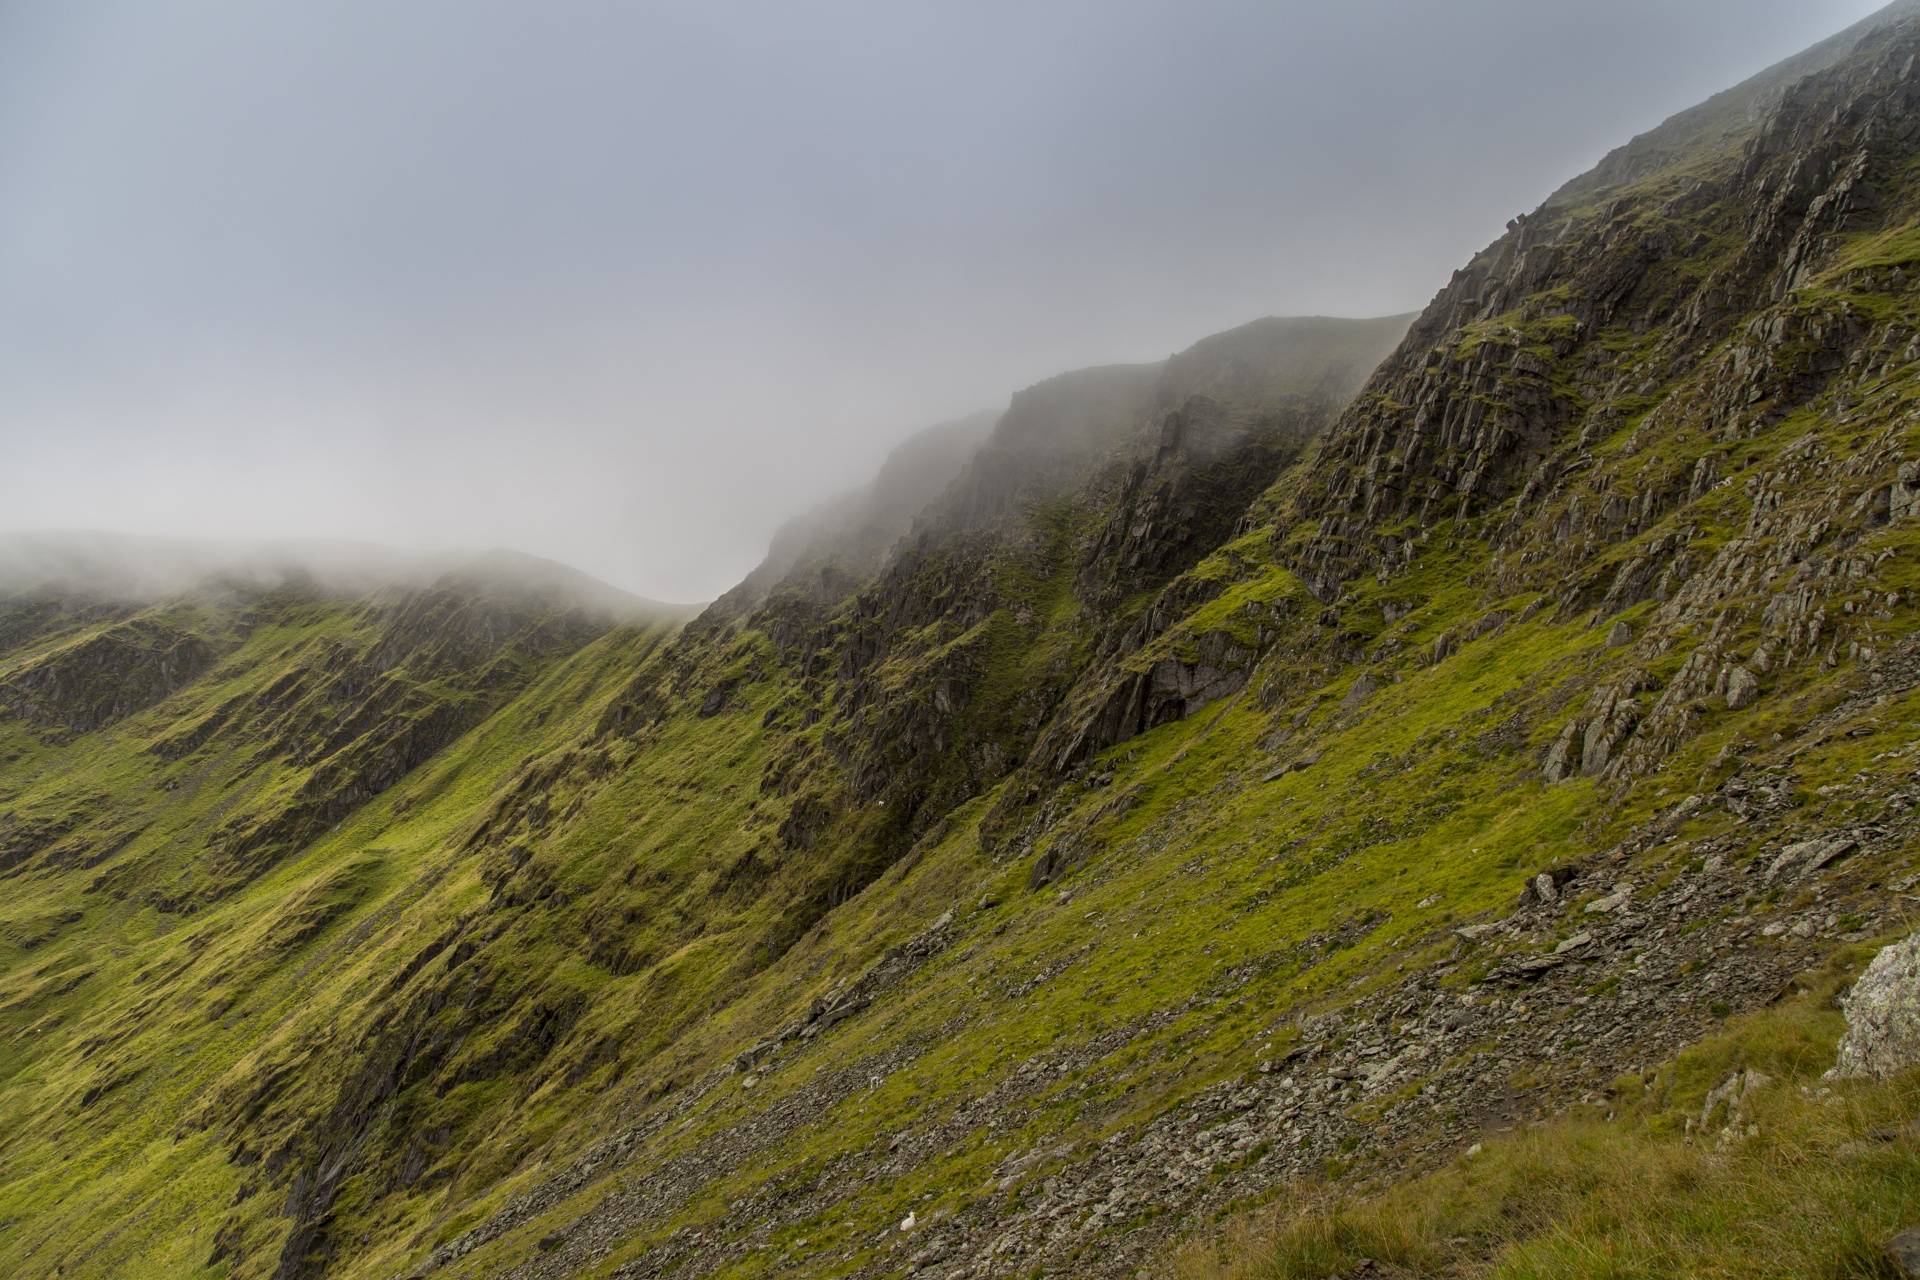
{"type": "Point", "coordinates": [1883, 1014]}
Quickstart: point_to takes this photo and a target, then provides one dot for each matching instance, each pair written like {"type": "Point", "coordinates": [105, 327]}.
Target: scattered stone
{"type": "Point", "coordinates": [1574, 943]}
{"type": "Point", "coordinates": [1620, 634]}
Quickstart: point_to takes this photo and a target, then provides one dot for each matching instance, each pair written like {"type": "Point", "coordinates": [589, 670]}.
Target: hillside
{"type": "Point", "coordinates": [1259, 775]}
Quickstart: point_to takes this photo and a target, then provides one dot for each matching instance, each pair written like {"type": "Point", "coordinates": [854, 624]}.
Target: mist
{"type": "Point", "coordinates": [628, 285]}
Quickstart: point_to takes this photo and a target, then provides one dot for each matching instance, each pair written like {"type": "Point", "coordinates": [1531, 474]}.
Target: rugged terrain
{"type": "Point", "coordinates": [1288, 763]}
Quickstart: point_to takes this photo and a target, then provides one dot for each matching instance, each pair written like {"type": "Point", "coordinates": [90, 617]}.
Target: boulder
{"type": "Point", "coordinates": [1618, 635]}
{"type": "Point", "coordinates": [1883, 1014]}
{"type": "Point", "coordinates": [1743, 688]}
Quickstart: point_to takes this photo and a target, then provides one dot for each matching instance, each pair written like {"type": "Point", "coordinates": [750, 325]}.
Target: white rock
{"type": "Point", "coordinates": [909, 1222]}
{"type": "Point", "coordinates": [1622, 894]}
{"type": "Point", "coordinates": [1883, 1014]}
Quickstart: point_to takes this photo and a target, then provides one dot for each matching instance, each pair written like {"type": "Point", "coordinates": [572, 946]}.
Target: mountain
{"type": "Point", "coordinates": [1261, 778]}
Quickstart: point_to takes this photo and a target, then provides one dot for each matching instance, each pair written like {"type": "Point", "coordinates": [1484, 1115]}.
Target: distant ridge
{"type": "Point", "coordinates": [134, 568]}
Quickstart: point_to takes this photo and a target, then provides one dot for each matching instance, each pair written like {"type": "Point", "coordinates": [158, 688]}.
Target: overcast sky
{"type": "Point", "coordinates": [627, 284]}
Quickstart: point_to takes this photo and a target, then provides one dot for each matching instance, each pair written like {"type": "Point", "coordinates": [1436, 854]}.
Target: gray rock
{"type": "Point", "coordinates": [1904, 1251]}
{"type": "Point", "coordinates": [1883, 1014]}
{"type": "Point", "coordinates": [1831, 851]}
{"type": "Point", "coordinates": [1743, 688]}
{"type": "Point", "coordinates": [1363, 689]}
{"type": "Point", "coordinates": [1563, 759]}
{"type": "Point", "coordinates": [1543, 888]}
{"type": "Point", "coordinates": [1622, 895]}
{"type": "Point", "coordinates": [1620, 634]}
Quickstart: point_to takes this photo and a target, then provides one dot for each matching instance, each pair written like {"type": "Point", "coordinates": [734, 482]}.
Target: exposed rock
{"type": "Point", "coordinates": [1743, 688]}
{"type": "Point", "coordinates": [1363, 689]}
{"type": "Point", "coordinates": [1621, 895]}
{"type": "Point", "coordinates": [1299, 763]}
{"type": "Point", "coordinates": [1883, 1014]}
{"type": "Point", "coordinates": [1618, 635]}
{"type": "Point", "coordinates": [1904, 1251]}
{"type": "Point", "coordinates": [1811, 855]}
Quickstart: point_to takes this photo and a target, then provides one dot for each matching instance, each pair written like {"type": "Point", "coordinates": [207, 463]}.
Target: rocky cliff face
{"type": "Point", "coordinates": [1292, 760]}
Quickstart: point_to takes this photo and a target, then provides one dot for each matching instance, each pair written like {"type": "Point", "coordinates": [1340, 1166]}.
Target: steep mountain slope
{"type": "Point", "coordinates": [1214, 788]}
{"type": "Point", "coordinates": [189, 768]}
{"type": "Point", "coordinates": [343, 899]}
{"type": "Point", "coordinates": [1512, 622]}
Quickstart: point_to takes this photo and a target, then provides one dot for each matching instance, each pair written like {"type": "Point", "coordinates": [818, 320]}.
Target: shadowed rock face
{"type": "Point", "coordinates": [106, 675]}
{"type": "Point", "coordinates": [1505, 380]}
{"type": "Point", "coordinates": [1198, 781]}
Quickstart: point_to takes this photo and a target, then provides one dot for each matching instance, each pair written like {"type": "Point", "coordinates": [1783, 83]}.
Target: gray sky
{"type": "Point", "coordinates": [626, 284]}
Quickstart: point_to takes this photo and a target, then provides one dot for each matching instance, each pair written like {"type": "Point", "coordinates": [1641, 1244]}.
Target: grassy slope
{"type": "Point", "coordinates": [121, 1020]}
{"type": "Point", "coordinates": [1206, 872]}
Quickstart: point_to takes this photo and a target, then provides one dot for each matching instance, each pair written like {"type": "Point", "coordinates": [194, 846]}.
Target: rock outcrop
{"type": "Point", "coordinates": [1883, 1014]}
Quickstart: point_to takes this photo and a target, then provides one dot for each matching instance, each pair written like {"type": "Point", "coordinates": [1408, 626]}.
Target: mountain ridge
{"type": "Point", "coordinates": [1251, 777]}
